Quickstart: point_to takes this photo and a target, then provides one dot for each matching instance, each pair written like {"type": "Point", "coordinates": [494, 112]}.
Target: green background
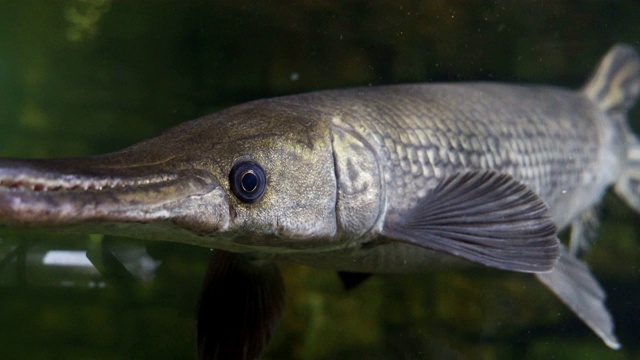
{"type": "Point", "coordinates": [83, 77]}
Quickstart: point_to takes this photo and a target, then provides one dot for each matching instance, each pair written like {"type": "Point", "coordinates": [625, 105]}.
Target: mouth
{"type": "Point", "coordinates": [88, 191]}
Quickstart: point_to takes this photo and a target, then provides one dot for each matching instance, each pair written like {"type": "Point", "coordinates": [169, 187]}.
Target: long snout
{"type": "Point", "coordinates": [143, 201]}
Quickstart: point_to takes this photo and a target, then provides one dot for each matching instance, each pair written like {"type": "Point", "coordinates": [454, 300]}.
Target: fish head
{"type": "Point", "coordinates": [276, 167]}
{"type": "Point", "coordinates": [255, 175]}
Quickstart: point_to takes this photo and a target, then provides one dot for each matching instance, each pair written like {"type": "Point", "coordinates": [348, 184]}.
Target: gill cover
{"type": "Point", "coordinates": [359, 190]}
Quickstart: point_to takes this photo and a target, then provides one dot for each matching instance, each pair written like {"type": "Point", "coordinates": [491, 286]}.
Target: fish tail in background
{"type": "Point", "coordinates": [615, 87]}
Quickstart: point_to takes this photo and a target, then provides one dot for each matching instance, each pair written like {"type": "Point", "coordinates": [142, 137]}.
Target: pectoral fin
{"type": "Point", "coordinates": [485, 217]}
{"type": "Point", "coordinates": [240, 304]}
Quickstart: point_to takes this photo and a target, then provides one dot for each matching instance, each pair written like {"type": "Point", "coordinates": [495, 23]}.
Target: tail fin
{"type": "Point", "coordinates": [614, 88]}
{"type": "Point", "coordinates": [615, 85]}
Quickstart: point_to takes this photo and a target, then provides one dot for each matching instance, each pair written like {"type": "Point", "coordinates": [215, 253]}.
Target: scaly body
{"type": "Point", "coordinates": [559, 144]}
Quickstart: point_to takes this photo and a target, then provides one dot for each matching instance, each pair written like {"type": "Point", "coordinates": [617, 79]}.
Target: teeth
{"type": "Point", "coordinates": [62, 185]}
{"type": "Point", "coordinates": [41, 187]}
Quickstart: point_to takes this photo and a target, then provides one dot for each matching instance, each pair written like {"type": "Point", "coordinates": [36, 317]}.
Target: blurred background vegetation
{"type": "Point", "coordinates": [82, 77]}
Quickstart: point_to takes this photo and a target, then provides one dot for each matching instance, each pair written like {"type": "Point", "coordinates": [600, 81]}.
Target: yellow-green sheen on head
{"type": "Point", "coordinates": [294, 151]}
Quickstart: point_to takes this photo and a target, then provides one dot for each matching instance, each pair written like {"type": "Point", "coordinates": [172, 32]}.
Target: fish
{"type": "Point", "coordinates": [384, 179]}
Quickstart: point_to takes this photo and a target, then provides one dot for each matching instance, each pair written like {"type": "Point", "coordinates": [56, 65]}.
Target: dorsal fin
{"type": "Point", "coordinates": [615, 85]}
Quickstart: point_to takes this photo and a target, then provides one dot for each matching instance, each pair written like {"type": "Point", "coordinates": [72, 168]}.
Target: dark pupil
{"type": "Point", "coordinates": [249, 181]}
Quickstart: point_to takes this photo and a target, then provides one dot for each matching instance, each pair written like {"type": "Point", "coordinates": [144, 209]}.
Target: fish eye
{"type": "Point", "coordinates": [248, 181]}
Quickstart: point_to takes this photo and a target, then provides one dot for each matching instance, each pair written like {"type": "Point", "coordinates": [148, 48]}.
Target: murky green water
{"type": "Point", "coordinates": [82, 77]}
